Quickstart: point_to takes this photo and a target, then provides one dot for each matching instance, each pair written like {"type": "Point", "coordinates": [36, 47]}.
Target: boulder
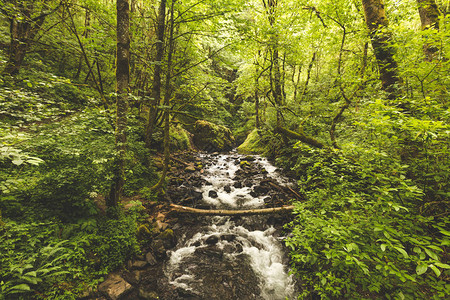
{"type": "Point", "coordinates": [115, 287]}
{"type": "Point", "coordinates": [212, 137]}
{"type": "Point", "coordinates": [212, 194]}
{"type": "Point", "coordinates": [150, 259]}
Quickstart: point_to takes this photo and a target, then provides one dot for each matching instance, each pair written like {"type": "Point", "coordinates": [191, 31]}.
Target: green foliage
{"type": "Point", "coordinates": [60, 261]}
{"type": "Point", "coordinates": [116, 241]}
{"type": "Point", "coordinates": [358, 235]}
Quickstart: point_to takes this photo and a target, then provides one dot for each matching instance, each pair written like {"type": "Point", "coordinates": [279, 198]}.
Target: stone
{"type": "Point", "coordinates": [212, 194]}
{"type": "Point", "coordinates": [250, 158]}
{"type": "Point", "coordinates": [212, 137]}
{"type": "Point", "coordinates": [134, 277]}
{"type": "Point", "coordinates": [150, 259]}
{"type": "Point", "coordinates": [168, 238]}
{"type": "Point", "coordinates": [212, 240]}
{"type": "Point", "coordinates": [139, 265]}
{"type": "Point", "coordinates": [190, 169]}
{"type": "Point", "coordinates": [115, 287]}
{"type": "Point", "coordinates": [227, 188]}
{"type": "Point", "coordinates": [210, 251]}
{"type": "Point", "coordinates": [237, 184]}
{"type": "Point", "coordinates": [161, 226]}
{"type": "Point", "coordinates": [148, 295]}
{"type": "Point", "coordinates": [158, 248]}
{"type": "Point", "coordinates": [228, 237]}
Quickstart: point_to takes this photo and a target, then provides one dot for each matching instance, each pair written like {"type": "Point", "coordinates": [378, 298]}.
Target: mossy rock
{"type": "Point", "coordinates": [179, 139]}
{"type": "Point", "coordinates": [252, 144]}
{"type": "Point", "coordinates": [212, 137]}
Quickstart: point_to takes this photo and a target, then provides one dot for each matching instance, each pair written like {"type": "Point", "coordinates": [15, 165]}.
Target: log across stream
{"type": "Point", "coordinates": [231, 250]}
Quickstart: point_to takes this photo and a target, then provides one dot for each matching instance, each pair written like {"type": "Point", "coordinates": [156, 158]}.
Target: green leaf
{"type": "Point", "coordinates": [432, 254]}
{"type": "Point", "coordinates": [436, 270]}
{"type": "Point", "coordinates": [21, 287]}
{"type": "Point", "coordinates": [435, 248]}
{"type": "Point", "coordinates": [17, 161]}
{"type": "Point", "coordinates": [402, 251]}
{"type": "Point", "coordinates": [421, 268]}
{"type": "Point", "coordinates": [383, 247]}
{"type": "Point", "coordinates": [441, 265]}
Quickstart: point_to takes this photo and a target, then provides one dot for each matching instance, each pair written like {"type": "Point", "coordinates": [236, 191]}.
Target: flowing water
{"type": "Point", "coordinates": [231, 257]}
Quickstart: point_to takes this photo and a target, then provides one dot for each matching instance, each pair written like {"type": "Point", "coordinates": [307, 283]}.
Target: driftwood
{"type": "Point", "coordinates": [225, 212]}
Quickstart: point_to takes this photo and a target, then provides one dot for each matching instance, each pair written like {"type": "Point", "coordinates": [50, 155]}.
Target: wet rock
{"type": "Point", "coordinates": [160, 226]}
{"type": "Point", "coordinates": [261, 189]}
{"type": "Point", "coordinates": [168, 238]}
{"type": "Point", "coordinates": [148, 295]}
{"type": "Point", "coordinates": [190, 168]}
{"type": "Point", "coordinates": [212, 240]}
{"type": "Point", "coordinates": [158, 248]}
{"type": "Point", "coordinates": [244, 164]}
{"type": "Point", "coordinates": [228, 237]}
{"type": "Point", "coordinates": [237, 184]}
{"type": "Point", "coordinates": [138, 264]}
{"type": "Point", "coordinates": [227, 188]}
{"type": "Point", "coordinates": [133, 277]}
{"type": "Point", "coordinates": [211, 251]}
{"type": "Point", "coordinates": [115, 287]}
{"type": "Point", "coordinates": [150, 259]}
{"type": "Point", "coordinates": [212, 194]}
{"type": "Point", "coordinates": [196, 195]}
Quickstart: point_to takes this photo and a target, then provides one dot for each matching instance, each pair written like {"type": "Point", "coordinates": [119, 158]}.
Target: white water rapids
{"type": "Point", "coordinates": [246, 248]}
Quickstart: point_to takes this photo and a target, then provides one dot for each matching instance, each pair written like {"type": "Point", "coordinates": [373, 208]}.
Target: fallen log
{"type": "Point", "coordinates": [299, 136]}
{"type": "Point", "coordinates": [226, 212]}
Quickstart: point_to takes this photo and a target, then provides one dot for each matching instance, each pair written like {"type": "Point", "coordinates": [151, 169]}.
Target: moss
{"type": "Point", "coordinates": [252, 144]}
{"type": "Point", "coordinates": [213, 137]}
{"type": "Point", "coordinates": [179, 139]}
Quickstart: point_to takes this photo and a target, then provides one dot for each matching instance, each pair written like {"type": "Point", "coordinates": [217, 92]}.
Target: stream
{"type": "Point", "coordinates": [231, 257]}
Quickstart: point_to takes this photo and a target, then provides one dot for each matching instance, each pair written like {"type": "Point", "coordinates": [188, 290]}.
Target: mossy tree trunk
{"type": "Point", "coordinates": [275, 72]}
{"type": "Point", "coordinates": [377, 23]}
{"type": "Point", "coordinates": [167, 97]}
{"type": "Point", "coordinates": [429, 17]}
{"type": "Point", "coordinates": [122, 78]}
{"type": "Point", "coordinates": [156, 87]}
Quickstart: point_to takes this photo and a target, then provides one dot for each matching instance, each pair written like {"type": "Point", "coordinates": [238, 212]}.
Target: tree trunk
{"type": "Point", "coordinates": [377, 24]}
{"type": "Point", "coordinates": [23, 28]}
{"type": "Point", "coordinates": [277, 91]}
{"type": "Point", "coordinates": [156, 87]}
{"type": "Point", "coordinates": [122, 78]}
{"type": "Point", "coordinates": [429, 17]}
{"type": "Point", "coordinates": [308, 75]}
{"type": "Point", "coordinates": [167, 96]}
{"type": "Point", "coordinates": [224, 212]}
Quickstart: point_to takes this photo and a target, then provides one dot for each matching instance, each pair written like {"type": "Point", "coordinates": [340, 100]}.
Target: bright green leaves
{"type": "Point", "coordinates": [358, 222]}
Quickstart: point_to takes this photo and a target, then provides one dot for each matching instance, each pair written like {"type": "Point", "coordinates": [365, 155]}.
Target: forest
{"type": "Point", "coordinates": [101, 101]}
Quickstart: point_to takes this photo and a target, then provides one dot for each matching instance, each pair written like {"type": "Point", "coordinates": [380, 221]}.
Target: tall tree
{"type": "Point", "coordinates": [377, 23]}
{"type": "Point", "coordinates": [25, 20]}
{"type": "Point", "coordinates": [429, 17]}
{"type": "Point", "coordinates": [122, 78]}
{"type": "Point", "coordinates": [156, 87]}
{"type": "Point", "coordinates": [167, 97]}
{"type": "Point", "coordinates": [275, 74]}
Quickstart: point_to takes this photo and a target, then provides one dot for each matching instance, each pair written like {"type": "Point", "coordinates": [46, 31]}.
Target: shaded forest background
{"type": "Point", "coordinates": [348, 97]}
